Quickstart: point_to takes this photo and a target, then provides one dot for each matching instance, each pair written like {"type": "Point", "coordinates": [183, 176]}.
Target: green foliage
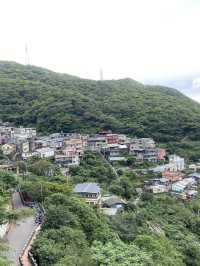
{"type": "Point", "coordinates": [7, 179]}
{"type": "Point", "coordinates": [54, 102]}
{"type": "Point", "coordinates": [42, 168]}
{"type": "Point", "coordinates": [71, 211]}
{"type": "Point", "coordinates": [7, 182]}
{"type": "Point", "coordinates": [92, 169]}
{"type": "Point", "coordinates": [163, 252]}
{"type": "Point", "coordinates": [19, 214]}
{"type": "Point", "coordinates": [70, 227]}
{"type": "Point", "coordinates": [187, 148]}
{"type": "Point", "coordinates": [120, 254]}
{"type": "Point", "coordinates": [3, 259]}
{"type": "Point", "coordinates": [65, 245]}
{"type": "Point", "coordinates": [39, 190]}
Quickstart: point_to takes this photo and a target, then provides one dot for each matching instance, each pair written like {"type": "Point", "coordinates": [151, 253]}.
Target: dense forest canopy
{"type": "Point", "coordinates": [33, 96]}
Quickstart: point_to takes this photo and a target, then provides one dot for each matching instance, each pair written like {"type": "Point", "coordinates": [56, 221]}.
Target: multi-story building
{"type": "Point", "coordinates": [23, 133]}
{"type": "Point", "coordinates": [177, 162]}
{"type": "Point", "coordinates": [67, 160]}
{"type": "Point", "coordinates": [77, 143]}
{"type": "Point", "coordinates": [96, 143]}
{"type": "Point", "coordinates": [45, 152]}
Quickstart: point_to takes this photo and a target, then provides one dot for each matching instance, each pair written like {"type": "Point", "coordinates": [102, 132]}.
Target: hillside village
{"type": "Point", "coordinates": [66, 150]}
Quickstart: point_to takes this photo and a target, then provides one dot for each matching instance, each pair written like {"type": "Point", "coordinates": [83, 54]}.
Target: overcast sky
{"type": "Point", "coordinates": [141, 39]}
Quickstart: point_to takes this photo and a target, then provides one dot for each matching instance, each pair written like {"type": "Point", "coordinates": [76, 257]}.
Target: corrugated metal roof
{"type": "Point", "coordinates": [87, 188]}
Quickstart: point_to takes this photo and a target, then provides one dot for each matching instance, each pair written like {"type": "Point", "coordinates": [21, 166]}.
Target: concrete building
{"type": "Point", "coordinates": [96, 143]}
{"type": "Point", "coordinates": [67, 160]}
{"type": "Point", "coordinates": [183, 184]}
{"type": "Point", "coordinates": [45, 152]}
{"type": "Point", "coordinates": [177, 162]}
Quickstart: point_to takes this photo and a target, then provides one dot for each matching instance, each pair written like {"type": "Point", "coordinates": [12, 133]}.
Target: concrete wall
{"type": "Point", "coordinates": [3, 229]}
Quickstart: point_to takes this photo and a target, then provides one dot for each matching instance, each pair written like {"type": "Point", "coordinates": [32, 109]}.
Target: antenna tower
{"type": "Point", "coordinates": [27, 59]}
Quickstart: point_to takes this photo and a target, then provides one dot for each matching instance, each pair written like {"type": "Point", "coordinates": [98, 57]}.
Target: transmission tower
{"type": "Point", "coordinates": [101, 74]}
{"type": "Point", "coordinates": [27, 59]}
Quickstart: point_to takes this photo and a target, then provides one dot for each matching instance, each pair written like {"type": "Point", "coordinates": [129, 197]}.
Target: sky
{"type": "Point", "coordinates": [142, 39]}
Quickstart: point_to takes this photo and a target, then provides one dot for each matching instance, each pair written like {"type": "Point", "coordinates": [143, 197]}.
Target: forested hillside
{"type": "Point", "coordinates": [52, 102]}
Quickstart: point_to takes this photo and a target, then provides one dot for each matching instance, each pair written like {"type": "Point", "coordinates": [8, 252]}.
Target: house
{"type": "Point", "coordinates": [180, 186]}
{"type": "Point", "coordinates": [196, 176]}
{"type": "Point", "coordinates": [111, 205]}
{"type": "Point", "coordinates": [45, 152]}
{"type": "Point", "coordinates": [114, 150]}
{"type": "Point", "coordinates": [142, 143]}
{"type": "Point", "coordinates": [150, 155]}
{"type": "Point", "coordinates": [90, 192]}
{"type": "Point", "coordinates": [157, 188]}
{"type": "Point", "coordinates": [113, 202]}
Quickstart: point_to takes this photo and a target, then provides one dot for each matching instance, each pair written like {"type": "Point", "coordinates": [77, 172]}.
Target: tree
{"type": "Point", "coordinates": [42, 168]}
{"type": "Point", "coordinates": [39, 190]}
{"type": "Point", "coordinates": [119, 254]}
{"type": "Point", "coordinates": [163, 252]}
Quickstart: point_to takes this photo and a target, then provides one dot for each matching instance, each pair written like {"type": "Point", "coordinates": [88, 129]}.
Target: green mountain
{"type": "Point", "coordinates": [53, 102]}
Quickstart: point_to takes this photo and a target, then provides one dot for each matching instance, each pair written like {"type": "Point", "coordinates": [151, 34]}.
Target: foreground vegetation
{"type": "Point", "coordinates": [54, 102]}
{"type": "Point", "coordinates": [159, 230]}
{"type": "Point", "coordinates": [7, 182]}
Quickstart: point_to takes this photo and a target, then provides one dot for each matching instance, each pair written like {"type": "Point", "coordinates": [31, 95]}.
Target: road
{"type": "Point", "coordinates": [19, 233]}
{"type": "Point", "coordinates": [16, 201]}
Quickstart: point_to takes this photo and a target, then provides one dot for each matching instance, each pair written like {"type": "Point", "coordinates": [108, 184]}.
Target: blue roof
{"type": "Point", "coordinates": [87, 188]}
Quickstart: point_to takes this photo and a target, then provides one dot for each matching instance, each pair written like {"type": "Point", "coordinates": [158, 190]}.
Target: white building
{"type": "Point", "coordinates": [64, 160]}
{"type": "Point", "coordinates": [45, 152]}
{"type": "Point", "coordinates": [23, 132]}
{"type": "Point", "coordinates": [28, 155]}
{"type": "Point", "coordinates": [178, 162]}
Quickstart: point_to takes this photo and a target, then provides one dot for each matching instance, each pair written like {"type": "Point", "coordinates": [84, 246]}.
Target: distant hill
{"type": "Point", "coordinates": [52, 102]}
{"type": "Point", "coordinates": [189, 84]}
